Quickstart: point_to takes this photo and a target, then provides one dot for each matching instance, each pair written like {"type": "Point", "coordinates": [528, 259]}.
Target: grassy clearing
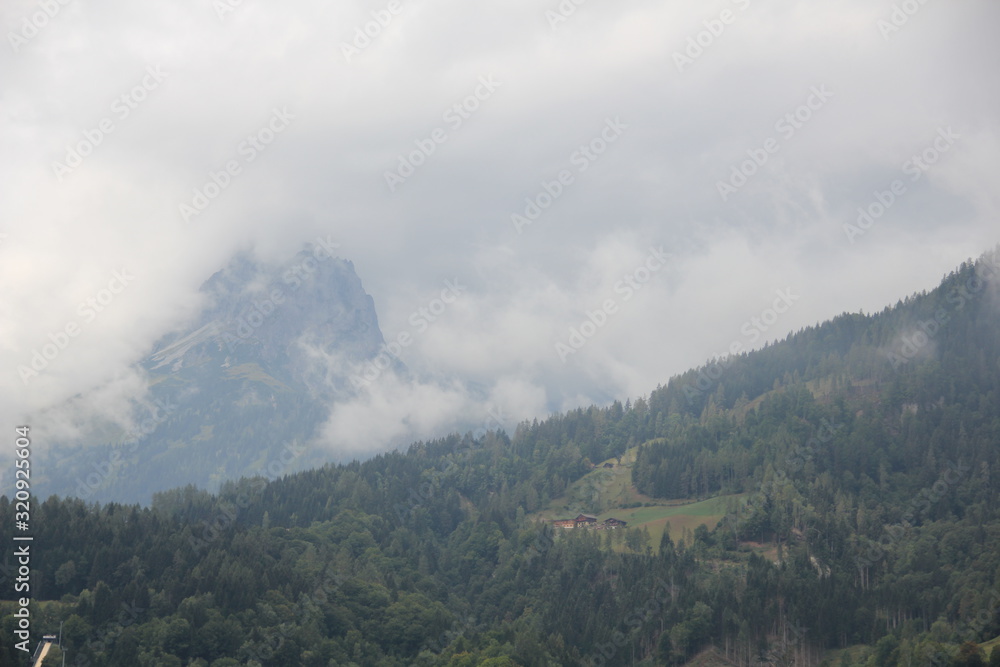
{"type": "Point", "coordinates": [681, 519]}
{"type": "Point", "coordinates": [601, 490]}
{"type": "Point", "coordinates": [605, 493]}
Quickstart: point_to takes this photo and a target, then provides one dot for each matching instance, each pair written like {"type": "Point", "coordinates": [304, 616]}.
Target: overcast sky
{"type": "Point", "coordinates": [113, 114]}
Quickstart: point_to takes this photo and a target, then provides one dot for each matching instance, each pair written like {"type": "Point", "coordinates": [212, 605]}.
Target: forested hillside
{"type": "Point", "coordinates": [865, 452]}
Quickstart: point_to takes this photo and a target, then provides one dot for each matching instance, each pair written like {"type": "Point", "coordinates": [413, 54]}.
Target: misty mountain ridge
{"type": "Point", "coordinates": [246, 387]}
{"type": "Point", "coordinates": [251, 379]}
{"type": "Point", "coordinates": [831, 498]}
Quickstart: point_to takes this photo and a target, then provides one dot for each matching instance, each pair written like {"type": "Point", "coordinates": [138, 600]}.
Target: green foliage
{"type": "Point", "coordinates": [969, 655]}
{"type": "Point", "coordinates": [870, 515]}
{"type": "Point", "coordinates": [886, 652]}
{"type": "Point", "coordinates": [54, 658]}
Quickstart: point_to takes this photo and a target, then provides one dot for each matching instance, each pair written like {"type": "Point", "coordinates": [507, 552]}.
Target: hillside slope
{"type": "Point", "coordinates": [870, 466]}
{"type": "Point", "coordinates": [244, 388]}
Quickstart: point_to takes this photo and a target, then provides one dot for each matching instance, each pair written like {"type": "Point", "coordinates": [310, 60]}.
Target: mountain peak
{"type": "Point", "coordinates": [260, 367]}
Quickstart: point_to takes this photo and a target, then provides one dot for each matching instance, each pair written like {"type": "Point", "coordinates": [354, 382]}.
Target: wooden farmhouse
{"type": "Point", "coordinates": [589, 521]}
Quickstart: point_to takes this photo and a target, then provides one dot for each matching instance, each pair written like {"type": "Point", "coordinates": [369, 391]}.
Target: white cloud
{"type": "Point", "coordinates": [324, 175]}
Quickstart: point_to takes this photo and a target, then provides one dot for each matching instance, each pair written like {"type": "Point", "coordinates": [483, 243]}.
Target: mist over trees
{"type": "Point", "coordinates": [865, 453]}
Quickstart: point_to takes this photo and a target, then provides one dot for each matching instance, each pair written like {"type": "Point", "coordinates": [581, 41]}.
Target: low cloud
{"type": "Point", "coordinates": [61, 241]}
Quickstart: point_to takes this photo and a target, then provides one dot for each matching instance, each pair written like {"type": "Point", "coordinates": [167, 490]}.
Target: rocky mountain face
{"type": "Point", "coordinates": [243, 390]}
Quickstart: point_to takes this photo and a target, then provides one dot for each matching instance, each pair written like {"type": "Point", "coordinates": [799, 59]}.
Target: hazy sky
{"type": "Point", "coordinates": [415, 146]}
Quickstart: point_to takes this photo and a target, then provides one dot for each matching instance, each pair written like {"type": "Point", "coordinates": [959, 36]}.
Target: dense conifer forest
{"type": "Point", "coordinates": [861, 459]}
